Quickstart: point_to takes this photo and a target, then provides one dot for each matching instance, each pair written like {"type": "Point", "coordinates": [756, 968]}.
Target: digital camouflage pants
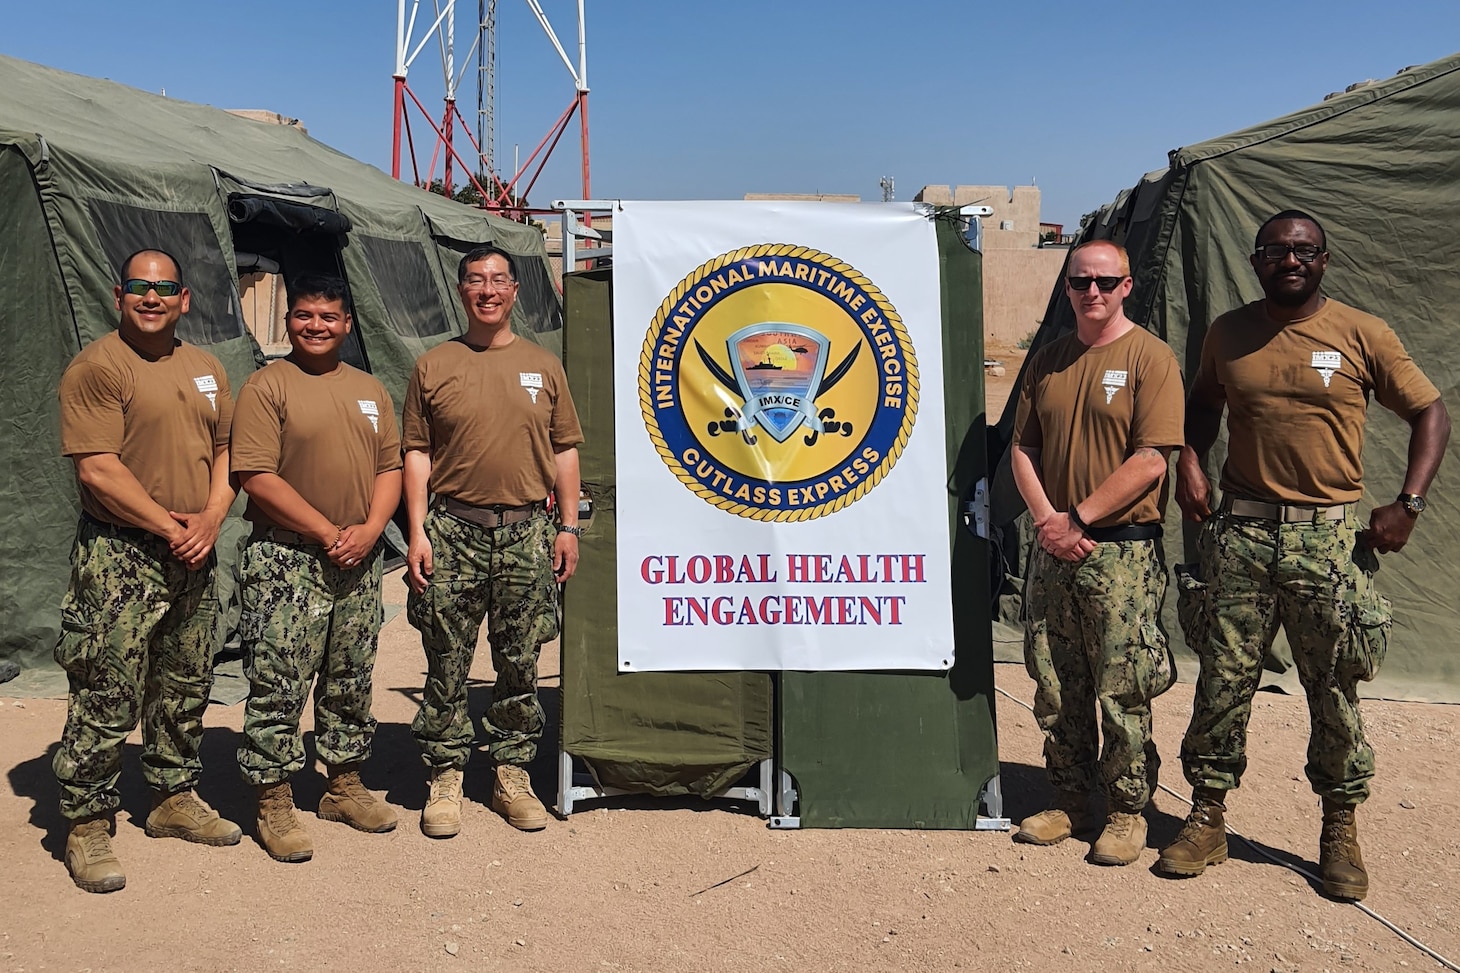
{"type": "Point", "coordinates": [305, 617]}
{"type": "Point", "coordinates": [137, 636]}
{"type": "Point", "coordinates": [504, 574]}
{"type": "Point", "coordinates": [1093, 641]}
{"type": "Point", "coordinates": [1316, 580]}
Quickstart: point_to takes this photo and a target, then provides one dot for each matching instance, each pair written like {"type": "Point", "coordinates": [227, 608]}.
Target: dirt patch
{"type": "Point", "coordinates": [632, 884]}
{"type": "Point", "coordinates": [997, 388]}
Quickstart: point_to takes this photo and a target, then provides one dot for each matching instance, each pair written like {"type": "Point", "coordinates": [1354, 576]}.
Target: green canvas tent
{"type": "Point", "coordinates": [91, 171]}
{"type": "Point", "coordinates": [1379, 167]}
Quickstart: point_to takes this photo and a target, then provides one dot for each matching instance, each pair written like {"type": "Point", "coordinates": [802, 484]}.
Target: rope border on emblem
{"type": "Point", "coordinates": [729, 504]}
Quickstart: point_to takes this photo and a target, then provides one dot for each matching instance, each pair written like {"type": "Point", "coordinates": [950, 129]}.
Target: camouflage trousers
{"type": "Point", "coordinates": [504, 574]}
{"type": "Point", "coordinates": [1316, 580]}
{"type": "Point", "coordinates": [306, 617]}
{"type": "Point", "coordinates": [1093, 641]}
{"type": "Point", "coordinates": [138, 631]}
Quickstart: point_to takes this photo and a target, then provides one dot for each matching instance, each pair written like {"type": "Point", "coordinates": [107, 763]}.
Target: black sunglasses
{"type": "Point", "coordinates": [139, 288]}
{"type": "Point", "coordinates": [1305, 252]}
{"type": "Point", "coordinates": [1082, 284]}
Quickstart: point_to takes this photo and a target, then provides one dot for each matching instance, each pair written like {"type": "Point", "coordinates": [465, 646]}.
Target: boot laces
{"type": "Point", "coordinates": [349, 785]}
{"type": "Point", "coordinates": [281, 813]}
{"type": "Point", "coordinates": [1199, 820]}
{"type": "Point", "coordinates": [514, 780]}
{"type": "Point", "coordinates": [1121, 825]}
{"type": "Point", "coordinates": [444, 783]}
{"type": "Point", "coordinates": [190, 804]}
{"type": "Point", "coordinates": [95, 840]}
{"type": "Point", "coordinates": [1338, 838]}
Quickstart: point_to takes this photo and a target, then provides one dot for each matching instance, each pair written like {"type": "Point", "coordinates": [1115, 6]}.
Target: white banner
{"type": "Point", "coordinates": [778, 403]}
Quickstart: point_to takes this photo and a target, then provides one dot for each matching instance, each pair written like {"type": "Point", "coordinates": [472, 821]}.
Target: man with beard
{"type": "Point", "coordinates": [1295, 372]}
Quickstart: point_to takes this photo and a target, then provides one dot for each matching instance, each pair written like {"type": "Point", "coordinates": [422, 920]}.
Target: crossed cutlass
{"type": "Point", "coordinates": [741, 422]}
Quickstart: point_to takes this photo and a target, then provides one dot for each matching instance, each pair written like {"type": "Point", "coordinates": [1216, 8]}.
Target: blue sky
{"type": "Point", "coordinates": [699, 100]}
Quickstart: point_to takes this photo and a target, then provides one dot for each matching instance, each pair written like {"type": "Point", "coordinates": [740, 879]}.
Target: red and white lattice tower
{"type": "Point", "coordinates": [477, 160]}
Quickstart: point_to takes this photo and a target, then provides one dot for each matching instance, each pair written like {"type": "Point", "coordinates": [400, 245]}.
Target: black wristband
{"type": "Point", "coordinates": [1075, 519]}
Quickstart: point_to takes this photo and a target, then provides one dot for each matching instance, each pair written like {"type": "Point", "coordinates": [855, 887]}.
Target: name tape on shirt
{"type": "Point", "coordinates": [1327, 362]}
{"type": "Point", "coordinates": [532, 381]}
{"type": "Point", "coordinates": [371, 411]}
{"type": "Point", "coordinates": [1113, 382]}
{"type": "Point", "coordinates": [208, 385]}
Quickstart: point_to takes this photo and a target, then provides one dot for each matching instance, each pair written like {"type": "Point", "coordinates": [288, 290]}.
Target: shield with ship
{"type": "Point", "coordinates": [779, 367]}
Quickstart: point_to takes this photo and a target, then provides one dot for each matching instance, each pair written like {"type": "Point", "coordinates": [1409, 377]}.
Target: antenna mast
{"type": "Point", "coordinates": [496, 194]}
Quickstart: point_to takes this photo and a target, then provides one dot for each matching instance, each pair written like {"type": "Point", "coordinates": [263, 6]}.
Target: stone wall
{"type": "Point", "coordinates": [1016, 289]}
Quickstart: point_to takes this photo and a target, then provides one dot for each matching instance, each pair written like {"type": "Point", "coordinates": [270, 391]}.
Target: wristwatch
{"type": "Point", "coordinates": [1413, 502]}
{"type": "Point", "coordinates": [578, 531]}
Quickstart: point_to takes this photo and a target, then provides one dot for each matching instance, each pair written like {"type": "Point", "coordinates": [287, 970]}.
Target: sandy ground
{"type": "Point", "coordinates": [641, 885]}
{"type": "Point", "coordinates": [998, 387]}
{"type": "Point", "coordinates": [632, 884]}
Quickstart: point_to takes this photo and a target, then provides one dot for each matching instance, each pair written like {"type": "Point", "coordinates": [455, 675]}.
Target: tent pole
{"type": "Point", "coordinates": [400, 109]}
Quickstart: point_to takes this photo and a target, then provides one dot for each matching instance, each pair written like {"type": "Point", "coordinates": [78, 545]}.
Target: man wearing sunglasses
{"type": "Point", "coordinates": [146, 419]}
{"type": "Point", "coordinates": [1099, 414]}
{"type": "Point", "coordinates": [490, 429]}
{"type": "Point", "coordinates": [1294, 372]}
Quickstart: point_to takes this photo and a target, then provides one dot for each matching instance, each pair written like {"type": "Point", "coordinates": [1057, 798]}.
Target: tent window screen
{"type": "Point", "coordinates": [214, 315]}
{"type": "Point", "coordinates": [539, 298]}
{"type": "Point", "coordinates": [412, 298]}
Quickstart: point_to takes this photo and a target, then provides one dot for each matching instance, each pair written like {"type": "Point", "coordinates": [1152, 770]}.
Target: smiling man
{"type": "Point", "coordinates": [490, 429]}
{"type": "Point", "coordinates": [316, 449]}
{"type": "Point", "coordinates": [1294, 372]}
{"type": "Point", "coordinates": [1099, 413]}
{"type": "Point", "coordinates": [145, 418]}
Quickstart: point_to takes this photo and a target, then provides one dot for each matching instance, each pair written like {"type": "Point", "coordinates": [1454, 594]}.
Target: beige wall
{"type": "Point", "coordinates": [1016, 289]}
{"type": "Point", "coordinates": [1018, 206]}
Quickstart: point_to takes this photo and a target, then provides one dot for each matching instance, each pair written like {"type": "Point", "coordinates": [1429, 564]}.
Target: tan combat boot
{"type": "Point", "coordinates": [347, 800]}
{"type": "Point", "coordinates": [512, 798]}
{"type": "Point", "coordinates": [185, 815]}
{"type": "Point", "coordinates": [1122, 841]}
{"type": "Point", "coordinates": [1203, 839]}
{"type": "Point", "coordinates": [1340, 866]}
{"type": "Point", "coordinates": [441, 817]}
{"type": "Point", "coordinates": [90, 859]}
{"type": "Point", "coordinates": [280, 832]}
{"type": "Point", "coordinates": [1069, 813]}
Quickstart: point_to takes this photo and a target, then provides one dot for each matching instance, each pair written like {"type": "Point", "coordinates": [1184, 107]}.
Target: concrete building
{"type": "Point", "coordinates": [1018, 274]}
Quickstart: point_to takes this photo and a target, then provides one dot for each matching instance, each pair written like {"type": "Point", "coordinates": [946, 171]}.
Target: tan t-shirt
{"type": "Point", "coordinates": [163, 417]}
{"type": "Point", "coordinates": [491, 419]}
{"type": "Point", "coordinates": [1088, 409]}
{"type": "Point", "coordinates": [1297, 396]}
{"type": "Point", "coordinates": [327, 436]}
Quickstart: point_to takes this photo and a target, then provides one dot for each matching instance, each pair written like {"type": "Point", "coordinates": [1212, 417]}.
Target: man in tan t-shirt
{"type": "Point", "coordinates": [316, 449]}
{"type": "Point", "coordinates": [1293, 372]}
{"type": "Point", "coordinates": [490, 429]}
{"type": "Point", "coordinates": [145, 418]}
{"type": "Point", "coordinates": [1099, 413]}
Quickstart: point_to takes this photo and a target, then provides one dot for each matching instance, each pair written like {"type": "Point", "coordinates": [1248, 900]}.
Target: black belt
{"type": "Point", "coordinates": [495, 515]}
{"type": "Point", "coordinates": [117, 530]}
{"type": "Point", "coordinates": [281, 536]}
{"type": "Point", "coordinates": [1126, 532]}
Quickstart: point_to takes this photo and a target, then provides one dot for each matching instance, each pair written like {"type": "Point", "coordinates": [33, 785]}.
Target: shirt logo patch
{"type": "Point", "coordinates": [371, 411]}
{"type": "Point", "coordinates": [532, 381]}
{"type": "Point", "coordinates": [208, 385]}
{"type": "Point", "coordinates": [1114, 381]}
{"type": "Point", "coordinates": [1327, 362]}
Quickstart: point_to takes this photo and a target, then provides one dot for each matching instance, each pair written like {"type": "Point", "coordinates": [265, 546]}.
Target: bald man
{"type": "Point", "coordinates": [1099, 412]}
